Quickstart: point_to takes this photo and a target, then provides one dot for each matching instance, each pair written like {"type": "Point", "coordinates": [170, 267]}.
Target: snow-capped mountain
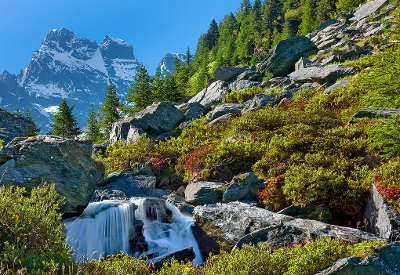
{"type": "Point", "coordinates": [167, 64]}
{"type": "Point", "coordinates": [66, 66]}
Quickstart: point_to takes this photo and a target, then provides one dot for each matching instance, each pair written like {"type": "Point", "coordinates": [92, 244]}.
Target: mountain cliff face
{"type": "Point", "coordinates": [66, 66]}
{"type": "Point", "coordinates": [167, 64]}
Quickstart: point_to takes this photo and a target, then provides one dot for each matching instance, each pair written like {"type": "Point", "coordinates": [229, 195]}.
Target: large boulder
{"type": "Point", "coordinates": [12, 126]}
{"type": "Point", "coordinates": [228, 73]}
{"type": "Point", "coordinates": [202, 192]}
{"type": "Point", "coordinates": [66, 163]}
{"type": "Point", "coordinates": [382, 219]}
{"type": "Point", "coordinates": [233, 221]}
{"type": "Point", "coordinates": [284, 56]}
{"type": "Point", "coordinates": [224, 109]}
{"type": "Point", "coordinates": [242, 187]}
{"type": "Point", "coordinates": [239, 85]}
{"type": "Point", "coordinates": [258, 101]}
{"type": "Point", "coordinates": [123, 185]}
{"type": "Point", "coordinates": [368, 9]}
{"type": "Point", "coordinates": [211, 95]}
{"type": "Point", "coordinates": [385, 262]}
{"type": "Point", "coordinates": [191, 110]}
{"type": "Point", "coordinates": [156, 119]}
{"type": "Point", "coordinates": [322, 74]}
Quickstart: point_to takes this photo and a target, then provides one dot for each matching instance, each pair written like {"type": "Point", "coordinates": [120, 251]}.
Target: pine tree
{"type": "Point", "coordinates": [34, 131]}
{"type": "Point", "coordinates": [307, 19]}
{"type": "Point", "coordinates": [188, 57]}
{"type": "Point", "coordinates": [93, 128]}
{"type": "Point", "coordinates": [245, 7]}
{"type": "Point", "coordinates": [109, 111]}
{"type": "Point", "coordinates": [64, 124]}
{"type": "Point", "coordinates": [211, 37]}
{"type": "Point", "coordinates": [140, 94]}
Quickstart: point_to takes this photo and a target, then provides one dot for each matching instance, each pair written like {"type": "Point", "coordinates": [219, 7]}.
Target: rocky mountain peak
{"type": "Point", "coordinates": [116, 48]}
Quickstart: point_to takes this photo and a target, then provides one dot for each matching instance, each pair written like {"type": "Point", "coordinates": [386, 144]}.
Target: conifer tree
{"type": "Point", "coordinates": [64, 124]}
{"type": "Point", "coordinates": [109, 111]}
{"type": "Point", "coordinates": [210, 38]}
{"type": "Point", "coordinates": [93, 128]}
{"type": "Point", "coordinates": [34, 131]}
{"type": "Point", "coordinates": [245, 7]}
{"type": "Point", "coordinates": [307, 19]}
{"type": "Point", "coordinates": [188, 57]}
{"type": "Point", "coordinates": [140, 94]}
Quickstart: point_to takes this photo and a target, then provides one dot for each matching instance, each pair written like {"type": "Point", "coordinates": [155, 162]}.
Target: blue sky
{"type": "Point", "coordinates": [154, 28]}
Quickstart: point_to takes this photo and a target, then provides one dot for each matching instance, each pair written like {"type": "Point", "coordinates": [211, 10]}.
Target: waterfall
{"type": "Point", "coordinates": [150, 228]}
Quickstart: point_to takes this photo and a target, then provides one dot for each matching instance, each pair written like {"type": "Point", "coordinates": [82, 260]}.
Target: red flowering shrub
{"type": "Point", "coordinates": [390, 193]}
{"type": "Point", "coordinates": [272, 194]}
{"type": "Point", "coordinates": [195, 163]}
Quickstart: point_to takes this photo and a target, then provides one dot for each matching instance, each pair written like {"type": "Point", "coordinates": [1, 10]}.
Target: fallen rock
{"type": "Point", "coordinates": [382, 219]}
{"type": "Point", "coordinates": [224, 109]}
{"type": "Point", "coordinates": [325, 74]}
{"type": "Point", "coordinates": [242, 187]}
{"type": "Point", "coordinates": [221, 119]}
{"type": "Point", "coordinates": [385, 262]}
{"type": "Point", "coordinates": [258, 101]}
{"type": "Point", "coordinates": [370, 112]}
{"type": "Point", "coordinates": [12, 126]}
{"type": "Point", "coordinates": [239, 85]}
{"type": "Point", "coordinates": [211, 95]}
{"type": "Point", "coordinates": [228, 73]}
{"type": "Point", "coordinates": [66, 163]}
{"type": "Point", "coordinates": [202, 192]}
{"type": "Point", "coordinates": [191, 110]}
{"type": "Point", "coordinates": [368, 9]}
{"type": "Point", "coordinates": [340, 84]}
{"type": "Point", "coordinates": [156, 119]}
{"type": "Point", "coordinates": [232, 221]}
{"type": "Point", "coordinates": [284, 56]}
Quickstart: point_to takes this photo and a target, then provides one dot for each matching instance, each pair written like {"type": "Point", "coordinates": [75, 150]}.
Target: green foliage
{"type": "Point", "coordinates": [242, 96]}
{"type": "Point", "coordinates": [31, 231]}
{"type": "Point", "coordinates": [346, 5]}
{"type": "Point", "coordinates": [140, 94]}
{"type": "Point", "coordinates": [120, 156]}
{"type": "Point", "coordinates": [116, 264]}
{"type": "Point", "coordinates": [307, 19]}
{"type": "Point", "coordinates": [34, 131]}
{"type": "Point", "coordinates": [64, 124]}
{"type": "Point", "coordinates": [386, 137]}
{"type": "Point", "coordinates": [1, 143]}
{"type": "Point", "coordinates": [93, 127]}
{"type": "Point", "coordinates": [109, 111]}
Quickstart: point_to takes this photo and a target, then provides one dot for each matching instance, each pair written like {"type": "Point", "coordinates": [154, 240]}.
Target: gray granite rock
{"type": "Point", "coordinates": [340, 84]}
{"type": "Point", "coordinates": [228, 73]}
{"type": "Point", "coordinates": [239, 85]}
{"type": "Point", "coordinates": [211, 95]}
{"type": "Point", "coordinates": [284, 56]}
{"type": "Point", "coordinates": [370, 112]}
{"type": "Point", "coordinates": [223, 109]}
{"type": "Point", "coordinates": [199, 193]}
{"type": "Point", "coordinates": [221, 119]}
{"type": "Point", "coordinates": [258, 101]}
{"type": "Point", "coordinates": [12, 126]}
{"type": "Point", "coordinates": [324, 74]}
{"type": "Point", "coordinates": [66, 163]}
{"type": "Point", "coordinates": [242, 187]}
{"type": "Point", "coordinates": [191, 110]}
{"type": "Point", "coordinates": [368, 9]}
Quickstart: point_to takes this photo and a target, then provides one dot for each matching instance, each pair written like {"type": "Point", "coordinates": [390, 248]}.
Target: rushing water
{"type": "Point", "coordinates": [107, 228]}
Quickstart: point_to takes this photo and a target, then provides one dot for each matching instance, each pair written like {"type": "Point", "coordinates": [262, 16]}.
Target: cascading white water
{"type": "Point", "coordinates": [106, 227]}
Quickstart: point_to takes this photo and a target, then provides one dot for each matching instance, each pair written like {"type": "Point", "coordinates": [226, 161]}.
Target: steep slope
{"type": "Point", "coordinates": [66, 66]}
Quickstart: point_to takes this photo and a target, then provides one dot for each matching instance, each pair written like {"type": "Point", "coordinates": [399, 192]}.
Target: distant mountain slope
{"type": "Point", "coordinates": [167, 64]}
{"type": "Point", "coordinates": [66, 66]}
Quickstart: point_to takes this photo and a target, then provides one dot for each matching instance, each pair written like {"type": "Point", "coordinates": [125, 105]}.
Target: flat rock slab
{"type": "Point", "coordinates": [203, 192]}
{"type": "Point", "coordinates": [324, 74]}
{"type": "Point", "coordinates": [224, 109]}
{"type": "Point", "coordinates": [211, 95]}
{"type": "Point", "coordinates": [368, 9]}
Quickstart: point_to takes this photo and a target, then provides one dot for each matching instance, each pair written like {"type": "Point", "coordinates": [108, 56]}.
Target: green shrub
{"type": "Point", "coordinates": [31, 231]}
{"type": "Point", "coordinates": [386, 137]}
{"type": "Point", "coordinates": [121, 156]}
{"type": "Point", "coordinates": [243, 95]}
{"type": "Point", "coordinates": [1, 143]}
{"type": "Point", "coordinates": [116, 264]}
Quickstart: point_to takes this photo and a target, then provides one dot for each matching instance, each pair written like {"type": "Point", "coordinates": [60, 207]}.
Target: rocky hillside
{"type": "Point", "coordinates": [66, 66]}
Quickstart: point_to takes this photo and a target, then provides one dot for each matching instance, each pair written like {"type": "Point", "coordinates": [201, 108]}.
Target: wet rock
{"type": "Point", "coordinates": [211, 95]}
{"type": "Point", "coordinates": [228, 73]}
{"type": "Point", "coordinates": [232, 221]}
{"type": "Point", "coordinates": [368, 9]}
{"type": "Point", "coordinates": [385, 262]}
{"type": "Point", "coordinates": [284, 56]}
{"type": "Point", "coordinates": [184, 255]}
{"type": "Point", "coordinates": [12, 126]}
{"type": "Point", "coordinates": [224, 109]}
{"type": "Point", "coordinates": [324, 74]}
{"type": "Point", "coordinates": [382, 219]}
{"type": "Point", "coordinates": [239, 85]}
{"type": "Point", "coordinates": [66, 163]}
{"type": "Point", "coordinates": [206, 244]}
{"type": "Point", "coordinates": [242, 187]}
{"type": "Point", "coordinates": [258, 101]}
{"type": "Point", "coordinates": [199, 193]}
{"type": "Point", "coordinates": [340, 84]}
{"type": "Point", "coordinates": [156, 119]}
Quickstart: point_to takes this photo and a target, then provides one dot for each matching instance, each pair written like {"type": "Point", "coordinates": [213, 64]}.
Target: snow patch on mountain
{"type": "Point", "coordinates": [167, 64]}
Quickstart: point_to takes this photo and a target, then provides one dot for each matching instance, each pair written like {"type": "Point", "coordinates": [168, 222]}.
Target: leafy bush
{"type": "Point", "coordinates": [387, 182]}
{"type": "Point", "coordinates": [243, 95]}
{"type": "Point", "coordinates": [386, 137]}
{"type": "Point", "coordinates": [1, 143]}
{"type": "Point", "coordinates": [272, 194]}
{"type": "Point", "coordinates": [31, 231]}
{"type": "Point", "coordinates": [116, 264]}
